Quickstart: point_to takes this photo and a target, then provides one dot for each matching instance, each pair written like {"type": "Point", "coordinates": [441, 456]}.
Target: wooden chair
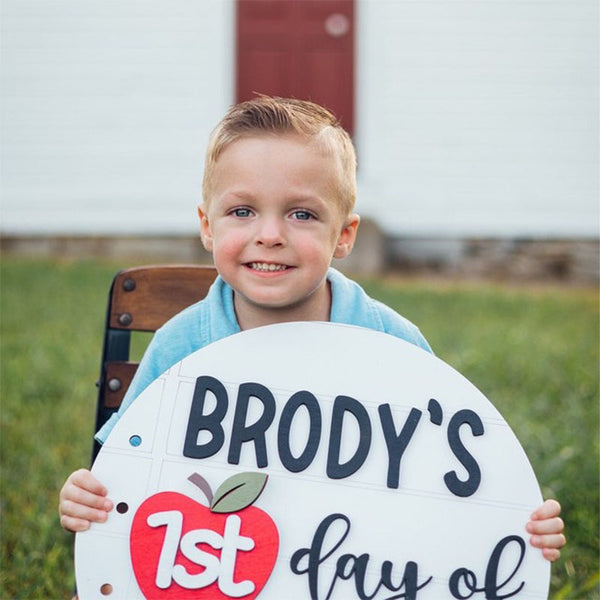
{"type": "Point", "coordinates": [141, 299]}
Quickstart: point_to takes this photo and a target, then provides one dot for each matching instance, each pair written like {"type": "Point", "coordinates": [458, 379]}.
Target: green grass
{"type": "Point", "coordinates": [533, 352]}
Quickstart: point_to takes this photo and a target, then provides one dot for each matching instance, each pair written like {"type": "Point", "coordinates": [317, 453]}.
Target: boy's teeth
{"type": "Point", "coordinates": [267, 267]}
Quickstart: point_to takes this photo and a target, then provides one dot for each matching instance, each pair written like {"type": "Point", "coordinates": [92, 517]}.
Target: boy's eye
{"type": "Point", "coordinates": [302, 215]}
{"type": "Point", "coordinates": [241, 212]}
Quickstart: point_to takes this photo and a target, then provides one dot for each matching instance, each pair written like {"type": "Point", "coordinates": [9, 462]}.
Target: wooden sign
{"type": "Point", "coordinates": [313, 460]}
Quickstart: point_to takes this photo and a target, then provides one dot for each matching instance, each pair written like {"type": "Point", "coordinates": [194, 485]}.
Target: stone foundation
{"type": "Point", "coordinates": [565, 261]}
{"type": "Point", "coordinates": [568, 261]}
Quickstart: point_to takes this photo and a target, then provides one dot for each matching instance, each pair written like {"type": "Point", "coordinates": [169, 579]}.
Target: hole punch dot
{"type": "Point", "coordinates": [106, 589]}
{"type": "Point", "coordinates": [122, 508]}
{"type": "Point", "coordinates": [135, 440]}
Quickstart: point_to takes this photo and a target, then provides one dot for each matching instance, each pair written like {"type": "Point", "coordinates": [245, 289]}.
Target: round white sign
{"type": "Point", "coordinates": [312, 460]}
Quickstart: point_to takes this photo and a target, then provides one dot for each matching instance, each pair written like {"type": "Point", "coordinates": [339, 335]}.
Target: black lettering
{"type": "Point", "coordinates": [436, 414]}
{"type": "Point", "coordinates": [198, 421]}
{"type": "Point", "coordinates": [289, 461]}
{"type": "Point", "coordinates": [315, 558]}
{"type": "Point", "coordinates": [454, 484]}
{"type": "Point", "coordinates": [349, 566]}
{"type": "Point", "coordinates": [469, 580]}
{"type": "Point", "coordinates": [492, 587]}
{"type": "Point", "coordinates": [341, 406]}
{"type": "Point", "coordinates": [242, 433]}
{"type": "Point", "coordinates": [396, 444]}
{"type": "Point", "coordinates": [358, 568]}
{"type": "Point", "coordinates": [410, 580]}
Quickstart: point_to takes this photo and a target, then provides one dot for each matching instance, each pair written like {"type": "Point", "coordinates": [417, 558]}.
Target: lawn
{"type": "Point", "coordinates": [532, 351]}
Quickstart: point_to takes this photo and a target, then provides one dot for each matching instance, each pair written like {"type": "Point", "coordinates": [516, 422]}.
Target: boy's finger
{"type": "Point", "coordinates": [554, 541]}
{"type": "Point", "coordinates": [548, 510]}
{"type": "Point", "coordinates": [73, 524]}
{"type": "Point", "coordinates": [76, 511]}
{"type": "Point", "coordinates": [551, 554]}
{"type": "Point", "coordinates": [546, 526]}
{"type": "Point", "coordinates": [84, 479]}
{"type": "Point", "coordinates": [78, 495]}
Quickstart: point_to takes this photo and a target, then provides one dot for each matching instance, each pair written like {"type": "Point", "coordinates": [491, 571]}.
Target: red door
{"type": "Point", "coordinates": [298, 48]}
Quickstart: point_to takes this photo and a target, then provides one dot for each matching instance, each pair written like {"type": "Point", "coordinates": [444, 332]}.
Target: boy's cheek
{"type": "Point", "coordinates": [225, 256]}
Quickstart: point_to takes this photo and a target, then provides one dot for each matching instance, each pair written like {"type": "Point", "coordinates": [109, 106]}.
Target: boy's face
{"type": "Point", "coordinates": [273, 224]}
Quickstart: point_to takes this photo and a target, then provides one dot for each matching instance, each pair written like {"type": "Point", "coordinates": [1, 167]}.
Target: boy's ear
{"type": "Point", "coordinates": [205, 233]}
{"type": "Point", "coordinates": [347, 237]}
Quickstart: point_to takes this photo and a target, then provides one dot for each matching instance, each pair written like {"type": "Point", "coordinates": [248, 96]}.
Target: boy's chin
{"type": "Point", "coordinates": [266, 304]}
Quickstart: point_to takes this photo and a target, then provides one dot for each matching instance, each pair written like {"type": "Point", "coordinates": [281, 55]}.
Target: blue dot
{"type": "Point", "coordinates": [135, 440]}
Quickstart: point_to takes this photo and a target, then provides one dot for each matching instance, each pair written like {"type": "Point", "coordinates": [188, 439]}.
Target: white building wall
{"type": "Point", "coordinates": [107, 107]}
{"type": "Point", "coordinates": [474, 117]}
{"type": "Point", "coordinates": [479, 117]}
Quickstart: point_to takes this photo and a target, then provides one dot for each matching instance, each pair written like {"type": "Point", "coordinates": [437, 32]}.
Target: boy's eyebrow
{"type": "Point", "coordinates": [291, 199]}
{"type": "Point", "coordinates": [235, 194]}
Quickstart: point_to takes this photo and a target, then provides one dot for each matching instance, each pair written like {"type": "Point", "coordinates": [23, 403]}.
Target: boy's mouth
{"type": "Point", "coordinates": [267, 267]}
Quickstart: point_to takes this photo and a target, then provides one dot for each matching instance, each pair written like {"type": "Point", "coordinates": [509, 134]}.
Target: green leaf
{"type": "Point", "coordinates": [238, 491]}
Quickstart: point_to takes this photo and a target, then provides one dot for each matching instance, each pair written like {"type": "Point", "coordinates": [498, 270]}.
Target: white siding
{"type": "Point", "coordinates": [479, 117]}
{"type": "Point", "coordinates": [107, 107]}
{"type": "Point", "coordinates": [475, 117]}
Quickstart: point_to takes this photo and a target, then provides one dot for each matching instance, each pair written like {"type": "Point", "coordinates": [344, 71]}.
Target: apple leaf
{"type": "Point", "coordinates": [238, 491]}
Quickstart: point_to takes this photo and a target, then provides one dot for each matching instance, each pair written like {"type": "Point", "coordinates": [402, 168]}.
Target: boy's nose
{"type": "Point", "coordinates": [270, 233]}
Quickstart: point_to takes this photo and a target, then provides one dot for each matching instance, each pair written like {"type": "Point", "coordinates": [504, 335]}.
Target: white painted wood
{"type": "Point", "coordinates": [479, 117]}
{"type": "Point", "coordinates": [474, 117]}
{"type": "Point", "coordinates": [421, 519]}
{"type": "Point", "coordinates": [107, 107]}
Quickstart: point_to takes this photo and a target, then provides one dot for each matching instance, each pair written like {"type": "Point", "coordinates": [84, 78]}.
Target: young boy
{"type": "Point", "coordinates": [279, 189]}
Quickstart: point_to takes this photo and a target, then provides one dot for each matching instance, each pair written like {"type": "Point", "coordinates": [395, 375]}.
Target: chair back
{"type": "Point", "coordinates": [141, 299]}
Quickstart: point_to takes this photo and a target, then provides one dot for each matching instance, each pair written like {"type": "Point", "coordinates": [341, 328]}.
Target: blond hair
{"type": "Point", "coordinates": [271, 115]}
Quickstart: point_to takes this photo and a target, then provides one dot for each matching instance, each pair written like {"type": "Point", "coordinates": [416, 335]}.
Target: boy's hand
{"type": "Point", "coordinates": [83, 501]}
{"type": "Point", "coordinates": [546, 529]}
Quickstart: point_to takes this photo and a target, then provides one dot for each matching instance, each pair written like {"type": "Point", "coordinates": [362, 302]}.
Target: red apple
{"type": "Point", "coordinates": [181, 549]}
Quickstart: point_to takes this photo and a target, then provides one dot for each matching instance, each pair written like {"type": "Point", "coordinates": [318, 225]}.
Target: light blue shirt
{"type": "Point", "coordinates": [214, 318]}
